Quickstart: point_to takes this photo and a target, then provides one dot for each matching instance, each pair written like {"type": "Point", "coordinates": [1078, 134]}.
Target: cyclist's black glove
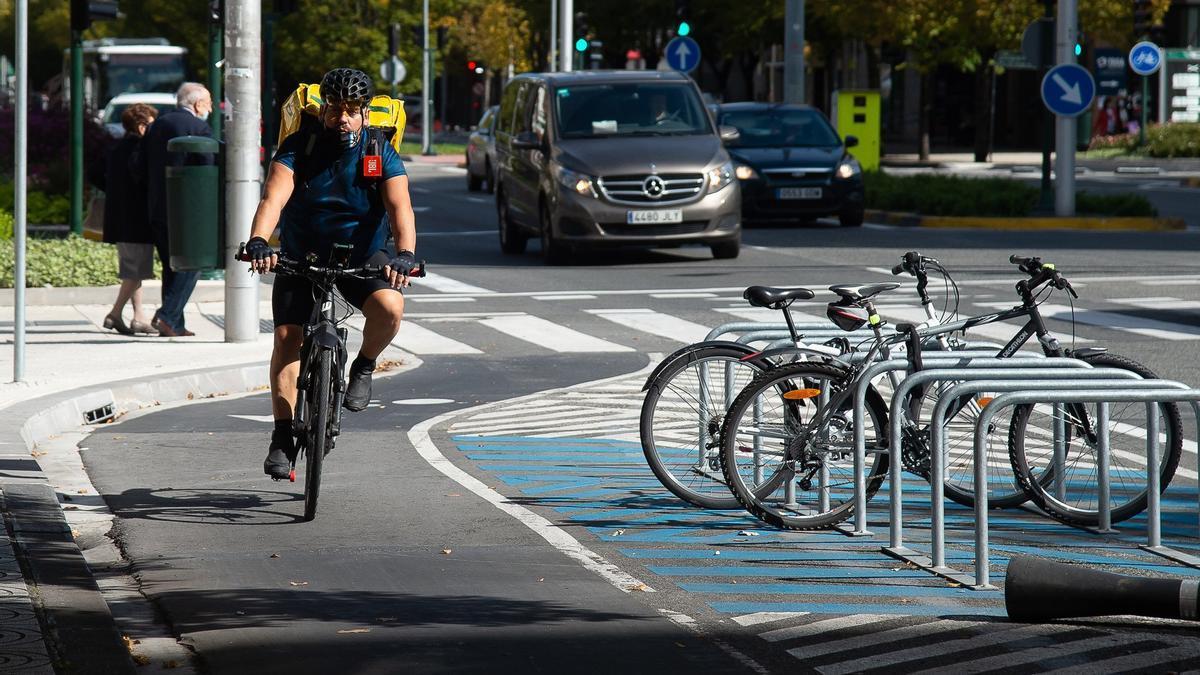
{"type": "Point", "coordinates": [257, 249]}
{"type": "Point", "coordinates": [403, 263]}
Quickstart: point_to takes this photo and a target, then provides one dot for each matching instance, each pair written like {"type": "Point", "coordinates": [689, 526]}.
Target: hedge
{"type": "Point", "coordinates": [950, 195]}
{"type": "Point", "coordinates": [40, 207]}
{"type": "Point", "coordinates": [73, 261]}
{"type": "Point", "coordinates": [1177, 139]}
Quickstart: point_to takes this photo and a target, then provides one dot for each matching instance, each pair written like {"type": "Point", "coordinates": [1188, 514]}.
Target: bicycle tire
{"type": "Point", "coordinates": [958, 483]}
{"type": "Point", "coordinates": [317, 438]}
{"type": "Point", "coordinates": [1072, 503]}
{"type": "Point", "coordinates": [677, 419]}
{"type": "Point", "coordinates": [773, 508]}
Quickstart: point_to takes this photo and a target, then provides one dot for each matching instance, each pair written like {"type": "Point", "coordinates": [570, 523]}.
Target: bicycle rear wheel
{"type": "Point", "coordinates": [1072, 496]}
{"type": "Point", "coordinates": [681, 420]}
{"type": "Point", "coordinates": [320, 400]}
{"type": "Point", "coordinates": [789, 455]}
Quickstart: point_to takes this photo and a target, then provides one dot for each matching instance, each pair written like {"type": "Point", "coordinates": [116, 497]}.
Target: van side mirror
{"type": "Point", "coordinates": [729, 134]}
{"type": "Point", "coordinates": [851, 141]}
{"type": "Point", "coordinates": [525, 141]}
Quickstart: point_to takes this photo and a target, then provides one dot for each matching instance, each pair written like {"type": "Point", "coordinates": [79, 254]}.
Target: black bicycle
{"type": "Point", "coordinates": [321, 386]}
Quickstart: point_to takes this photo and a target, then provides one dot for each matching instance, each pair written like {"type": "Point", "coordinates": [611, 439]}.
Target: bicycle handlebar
{"type": "Point", "coordinates": [1041, 273]}
{"type": "Point", "coordinates": [295, 266]}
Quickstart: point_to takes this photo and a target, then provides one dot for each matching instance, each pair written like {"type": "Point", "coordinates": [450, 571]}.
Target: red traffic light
{"type": "Point", "coordinates": [470, 65]}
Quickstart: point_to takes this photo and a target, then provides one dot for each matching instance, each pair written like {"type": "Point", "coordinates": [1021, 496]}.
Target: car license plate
{"type": "Point", "coordinates": [799, 193]}
{"type": "Point", "coordinates": [654, 217]}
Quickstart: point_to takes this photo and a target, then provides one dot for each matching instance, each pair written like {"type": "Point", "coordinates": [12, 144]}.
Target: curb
{"type": "Point", "coordinates": [206, 291]}
{"type": "Point", "coordinates": [1100, 223]}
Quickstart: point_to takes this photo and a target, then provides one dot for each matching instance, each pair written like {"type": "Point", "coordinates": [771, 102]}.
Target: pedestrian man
{"type": "Point", "coordinates": [195, 104]}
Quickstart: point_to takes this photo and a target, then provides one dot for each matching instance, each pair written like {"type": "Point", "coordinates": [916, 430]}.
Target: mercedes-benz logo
{"type": "Point", "coordinates": [653, 187]}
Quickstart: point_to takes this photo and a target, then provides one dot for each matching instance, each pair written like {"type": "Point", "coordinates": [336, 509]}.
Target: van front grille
{"type": "Point", "coordinates": [669, 188]}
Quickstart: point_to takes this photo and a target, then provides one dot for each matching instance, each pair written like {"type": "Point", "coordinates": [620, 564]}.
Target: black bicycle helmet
{"type": "Point", "coordinates": [347, 85]}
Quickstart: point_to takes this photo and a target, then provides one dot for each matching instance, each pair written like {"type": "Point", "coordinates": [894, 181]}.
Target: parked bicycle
{"type": "Point", "coordinates": [317, 420]}
{"type": "Point", "coordinates": [791, 429]}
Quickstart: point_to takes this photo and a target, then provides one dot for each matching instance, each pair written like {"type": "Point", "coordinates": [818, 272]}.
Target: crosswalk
{"type": "Point", "coordinates": [595, 324]}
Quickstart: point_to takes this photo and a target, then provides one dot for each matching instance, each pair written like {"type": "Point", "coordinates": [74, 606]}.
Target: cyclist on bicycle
{"type": "Point", "coordinates": [324, 188]}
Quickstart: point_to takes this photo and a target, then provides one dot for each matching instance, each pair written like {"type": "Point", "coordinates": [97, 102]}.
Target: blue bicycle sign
{"type": "Point", "coordinates": [1145, 58]}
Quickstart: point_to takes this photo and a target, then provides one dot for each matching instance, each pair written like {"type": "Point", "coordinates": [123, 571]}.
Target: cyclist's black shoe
{"type": "Point", "coordinates": [358, 391]}
{"type": "Point", "coordinates": [278, 464]}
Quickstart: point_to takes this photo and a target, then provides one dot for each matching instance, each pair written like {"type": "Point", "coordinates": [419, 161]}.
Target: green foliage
{"type": "Point", "coordinates": [414, 148]}
{"type": "Point", "coordinates": [1123, 204]}
{"type": "Point", "coordinates": [74, 261]}
{"type": "Point", "coordinates": [941, 195]}
{"type": "Point", "coordinates": [1173, 140]}
{"type": "Point", "coordinates": [1112, 146]}
{"type": "Point", "coordinates": [40, 208]}
{"type": "Point", "coordinates": [6, 226]}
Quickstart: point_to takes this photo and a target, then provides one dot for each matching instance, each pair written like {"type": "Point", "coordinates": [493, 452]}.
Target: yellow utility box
{"type": "Point", "coordinates": [856, 113]}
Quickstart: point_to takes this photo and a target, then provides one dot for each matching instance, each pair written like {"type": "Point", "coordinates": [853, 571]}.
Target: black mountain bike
{"type": "Point", "coordinates": [321, 387]}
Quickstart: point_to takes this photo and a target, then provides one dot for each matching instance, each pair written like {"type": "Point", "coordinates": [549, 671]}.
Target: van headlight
{"type": "Point", "coordinates": [720, 176]}
{"type": "Point", "coordinates": [745, 172]}
{"type": "Point", "coordinates": [576, 182]}
{"type": "Point", "coordinates": [849, 168]}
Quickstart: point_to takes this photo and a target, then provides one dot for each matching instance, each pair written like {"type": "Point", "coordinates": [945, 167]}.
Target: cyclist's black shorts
{"type": "Point", "coordinates": [292, 297]}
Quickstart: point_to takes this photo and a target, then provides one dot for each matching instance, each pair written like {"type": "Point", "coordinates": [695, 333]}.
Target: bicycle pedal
{"type": "Point", "coordinates": [291, 476]}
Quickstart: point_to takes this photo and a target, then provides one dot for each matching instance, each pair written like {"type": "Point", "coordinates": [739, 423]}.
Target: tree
{"type": "Point", "coordinates": [497, 35]}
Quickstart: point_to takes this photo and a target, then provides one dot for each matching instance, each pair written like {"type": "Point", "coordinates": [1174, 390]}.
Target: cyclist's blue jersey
{"type": "Point", "coordinates": [332, 202]}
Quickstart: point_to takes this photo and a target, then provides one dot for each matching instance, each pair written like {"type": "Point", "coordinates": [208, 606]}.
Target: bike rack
{"type": "Point", "coordinates": [897, 363]}
{"type": "Point", "coordinates": [1169, 391]}
{"type": "Point", "coordinates": [997, 380]}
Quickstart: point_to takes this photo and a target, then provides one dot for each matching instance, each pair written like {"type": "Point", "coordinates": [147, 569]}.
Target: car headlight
{"type": "Point", "coordinates": [720, 176]}
{"type": "Point", "coordinates": [577, 182]}
{"type": "Point", "coordinates": [849, 168]}
{"type": "Point", "coordinates": [744, 172]}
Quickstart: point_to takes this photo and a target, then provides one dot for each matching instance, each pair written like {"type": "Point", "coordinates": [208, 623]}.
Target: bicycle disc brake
{"type": "Point", "coordinates": [914, 451]}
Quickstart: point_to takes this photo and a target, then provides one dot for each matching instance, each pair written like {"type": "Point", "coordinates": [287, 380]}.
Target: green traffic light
{"type": "Point", "coordinates": [1078, 49]}
{"type": "Point", "coordinates": [684, 29]}
{"type": "Point", "coordinates": [581, 45]}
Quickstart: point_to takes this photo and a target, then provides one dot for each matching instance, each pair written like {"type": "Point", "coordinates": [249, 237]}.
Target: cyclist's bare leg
{"type": "Point", "coordinates": [383, 311]}
{"type": "Point", "coordinates": [285, 369]}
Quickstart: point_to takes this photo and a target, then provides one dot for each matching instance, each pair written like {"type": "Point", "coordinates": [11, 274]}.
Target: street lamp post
{"type": "Point", "coordinates": [243, 182]}
{"type": "Point", "coordinates": [1064, 165]}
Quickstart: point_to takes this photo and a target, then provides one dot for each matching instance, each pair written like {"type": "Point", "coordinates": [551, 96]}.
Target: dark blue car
{"type": "Point", "coordinates": [792, 165]}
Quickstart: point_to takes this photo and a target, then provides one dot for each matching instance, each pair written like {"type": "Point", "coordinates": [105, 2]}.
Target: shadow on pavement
{"type": "Point", "coordinates": [209, 506]}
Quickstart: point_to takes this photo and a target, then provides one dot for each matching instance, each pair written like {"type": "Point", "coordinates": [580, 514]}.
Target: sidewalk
{"type": "Point", "coordinates": [965, 161]}
{"type": "Point", "coordinates": [77, 372]}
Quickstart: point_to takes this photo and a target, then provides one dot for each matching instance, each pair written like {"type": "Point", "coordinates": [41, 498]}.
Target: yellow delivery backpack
{"type": "Point", "coordinates": [385, 115]}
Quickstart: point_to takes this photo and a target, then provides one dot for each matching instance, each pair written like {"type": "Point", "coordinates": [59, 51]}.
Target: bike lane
{"type": "Point", "coordinates": [403, 569]}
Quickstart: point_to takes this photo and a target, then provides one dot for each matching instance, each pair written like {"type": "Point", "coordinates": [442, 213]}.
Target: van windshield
{"type": "Point", "coordinates": [633, 109]}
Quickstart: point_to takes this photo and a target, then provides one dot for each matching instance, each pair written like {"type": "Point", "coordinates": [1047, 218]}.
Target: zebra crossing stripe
{"type": "Point", "coordinates": [443, 284]}
{"type": "Point", "coordinates": [944, 647]}
{"type": "Point", "coordinates": [551, 335]}
{"type": "Point", "coordinates": [823, 626]}
{"type": "Point", "coordinates": [1157, 303]}
{"type": "Point", "coordinates": [769, 315]}
{"type": "Point", "coordinates": [417, 339]}
{"type": "Point", "coordinates": [1041, 652]}
{"type": "Point", "coordinates": [1163, 330]}
{"type": "Point", "coordinates": [655, 323]}
{"type": "Point", "coordinates": [758, 618]}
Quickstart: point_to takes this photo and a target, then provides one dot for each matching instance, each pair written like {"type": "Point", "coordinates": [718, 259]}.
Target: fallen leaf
{"type": "Point", "coordinates": [70, 508]}
{"type": "Point", "coordinates": [354, 630]}
{"type": "Point", "coordinates": [82, 491]}
{"type": "Point", "coordinates": [274, 555]}
{"type": "Point", "coordinates": [618, 533]}
{"type": "Point", "coordinates": [446, 551]}
{"type": "Point", "coordinates": [37, 453]}
{"type": "Point", "coordinates": [747, 533]}
{"type": "Point", "coordinates": [453, 494]}
{"type": "Point", "coordinates": [640, 587]}
{"type": "Point", "coordinates": [298, 583]}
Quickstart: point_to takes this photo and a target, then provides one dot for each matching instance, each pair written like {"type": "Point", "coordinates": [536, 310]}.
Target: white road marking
{"type": "Point", "coordinates": [420, 340]}
{"type": "Point", "coordinates": [1149, 327]}
{"type": "Point", "coordinates": [443, 284]}
{"type": "Point", "coordinates": [826, 625]}
{"type": "Point", "coordinates": [858, 642]}
{"type": "Point", "coordinates": [1171, 282]}
{"type": "Point", "coordinates": [558, 538]}
{"type": "Point", "coordinates": [683, 295]}
{"type": "Point", "coordinates": [579, 296]}
{"type": "Point", "coordinates": [765, 617]}
{"type": "Point", "coordinates": [423, 401]}
{"type": "Point", "coordinates": [655, 323]}
{"type": "Point", "coordinates": [1157, 303]}
{"type": "Point", "coordinates": [435, 298]}
{"type": "Point", "coordinates": [479, 200]}
{"type": "Point", "coordinates": [421, 209]}
{"type": "Point", "coordinates": [551, 335]}
{"type": "Point", "coordinates": [255, 418]}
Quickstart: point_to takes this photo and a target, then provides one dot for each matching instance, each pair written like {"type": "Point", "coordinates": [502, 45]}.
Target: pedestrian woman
{"type": "Point", "coordinates": [126, 222]}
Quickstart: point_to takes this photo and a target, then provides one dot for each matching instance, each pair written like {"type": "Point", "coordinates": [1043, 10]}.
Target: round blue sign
{"type": "Point", "coordinates": [1068, 89]}
{"type": "Point", "coordinates": [1145, 59]}
{"type": "Point", "coordinates": [683, 54]}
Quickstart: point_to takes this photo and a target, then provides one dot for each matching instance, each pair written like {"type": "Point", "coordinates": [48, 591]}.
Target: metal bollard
{"type": "Point", "coordinates": [1104, 500]}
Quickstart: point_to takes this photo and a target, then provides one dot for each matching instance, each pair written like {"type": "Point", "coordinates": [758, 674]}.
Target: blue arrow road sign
{"type": "Point", "coordinates": [683, 54]}
{"type": "Point", "coordinates": [1068, 89]}
{"type": "Point", "coordinates": [1144, 58]}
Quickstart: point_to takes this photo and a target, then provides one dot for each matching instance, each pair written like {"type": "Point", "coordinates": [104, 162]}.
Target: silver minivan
{"type": "Point", "coordinates": [598, 158]}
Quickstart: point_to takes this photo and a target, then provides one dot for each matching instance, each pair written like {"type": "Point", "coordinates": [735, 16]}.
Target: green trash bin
{"type": "Point", "coordinates": [193, 207]}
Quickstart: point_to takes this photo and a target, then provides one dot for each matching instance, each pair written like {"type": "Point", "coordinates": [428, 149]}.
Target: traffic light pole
{"type": "Point", "coordinates": [566, 36]}
{"type": "Point", "coordinates": [20, 143]}
{"type": "Point", "coordinates": [243, 172]}
{"type": "Point", "coordinates": [1064, 165]}
{"type": "Point", "coordinates": [426, 85]}
{"type": "Point", "coordinates": [551, 58]}
{"type": "Point", "coordinates": [793, 52]}
{"type": "Point", "coordinates": [76, 132]}
{"type": "Point", "coordinates": [216, 49]}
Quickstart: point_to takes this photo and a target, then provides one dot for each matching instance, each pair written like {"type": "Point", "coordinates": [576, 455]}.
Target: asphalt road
{"type": "Point", "coordinates": [405, 569]}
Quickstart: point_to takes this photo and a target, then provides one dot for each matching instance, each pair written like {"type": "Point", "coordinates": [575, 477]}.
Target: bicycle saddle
{"type": "Point", "coordinates": [775, 298]}
{"type": "Point", "coordinates": [856, 292]}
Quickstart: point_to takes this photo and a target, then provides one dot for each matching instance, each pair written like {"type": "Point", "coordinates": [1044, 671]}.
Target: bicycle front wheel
{"type": "Point", "coordinates": [320, 401]}
{"type": "Point", "coordinates": [1066, 486]}
{"type": "Point", "coordinates": [681, 420]}
{"type": "Point", "coordinates": [788, 453]}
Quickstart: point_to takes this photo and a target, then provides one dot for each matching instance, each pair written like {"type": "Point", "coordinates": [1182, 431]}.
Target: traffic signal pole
{"type": "Point", "coordinates": [216, 35]}
{"type": "Point", "coordinates": [566, 36]}
{"type": "Point", "coordinates": [243, 172]}
{"type": "Point", "coordinates": [793, 52]}
{"type": "Point", "coordinates": [77, 105]}
{"type": "Point", "coordinates": [1064, 164]}
{"type": "Point", "coordinates": [426, 85]}
{"type": "Point", "coordinates": [20, 143]}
